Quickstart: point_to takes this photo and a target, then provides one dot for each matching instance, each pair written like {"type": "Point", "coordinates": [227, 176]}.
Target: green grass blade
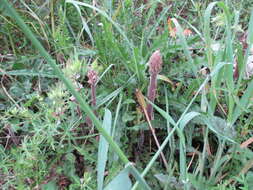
{"type": "Point", "coordinates": [250, 31]}
{"type": "Point", "coordinates": [244, 101]}
{"type": "Point", "coordinates": [182, 156]}
{"type": "Point", "coordinates": [29, 73]}
{"type": "Point", "coordinates": [209, 53]}
{"type": "Point", "coordinates": [187, 118]}
{"type": "Point", "coordinates": [77, 3]}
{"type": "Point", "coordinates": [85, 25]}
{"type": "Point", "coordinates": [228, 55]}
{"type": "Point", "coordinates": [103, 149]}
{"type": "Point", "coordinates": [202, 158]}
{"type": "Point", "coordinates": [185, 47]}
{"type": "Point", "coordinates": [207, 33]}
{"type": "Point", "coordinates": [116, 115]}
{"type": "Point", "coordinates": [152, 31]}
{"type": "Point", "coordinates": [145, 25]}
{"type": "Point", "coordinates": [115, 93]}
{"type": "Point", "coordinates": [229, 58]}
{"type": "Point", "coordinates": [121, 181]}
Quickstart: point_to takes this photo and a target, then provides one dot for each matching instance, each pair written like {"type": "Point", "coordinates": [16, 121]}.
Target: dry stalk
{"type": "Point", "coordinates": [142, 103]}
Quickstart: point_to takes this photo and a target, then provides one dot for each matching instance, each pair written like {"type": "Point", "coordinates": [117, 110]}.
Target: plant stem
{"type": "Point", "coordinates": [152, 94]}
{"type": "Point", "coordinates": [93, 95]}
{"type": "Point", "coordinates": [52, 17]}
{"type": "Point", "coordinates": [141, 101]}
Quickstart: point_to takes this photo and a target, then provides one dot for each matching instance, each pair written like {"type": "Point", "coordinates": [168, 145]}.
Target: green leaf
{"type": "Point", "coordinates": [184, 44]}
{"type": "Point", "coordinates": [187, 118]}
{"type": "Point", "coordinates": [127, 117]}
{"type": "Point", "coordinates": [172, 181]}
{"type": "Point", "coordinates": [250, 31]}
{"type": "Point", "coordinates": [31, 73]}
{"type": "Point", "coordinates": [249, 178]}
{"type": "Point", "coordinates": [220, 127]}
{"type": "Point", "coordinates": [245, 99]}
{"type": "Point", "coordinates": [162, 178]}
{"type": "Point", "coordinates": [198, 182]}
{"type": "Point", "coordinates": [121, 181]}
{"type": "Point", "coordinates": [51, 185]}
{"type": "Point", "coordinates": [103, 149]}
{"type": "Point", "coordinates": [85, 25]}
{"type": "Point", "coordinates": [18, 66]}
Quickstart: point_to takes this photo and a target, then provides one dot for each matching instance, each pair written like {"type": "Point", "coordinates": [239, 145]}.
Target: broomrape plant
{"type": "Point", "coordinates": [155, 67]}
{"type": "Point", "coordinates": [200, 120]}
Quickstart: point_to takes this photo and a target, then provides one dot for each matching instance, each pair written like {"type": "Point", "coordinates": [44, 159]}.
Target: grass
{"type": "Point", "coordinates": [202, 113]}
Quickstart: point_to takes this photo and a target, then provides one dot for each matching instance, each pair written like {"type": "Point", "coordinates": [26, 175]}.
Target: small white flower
{"type": "Point", "coordinates": [215, 46]}
{"type": "Point", "coordinates": [249, 67]}
{"type": "Point", "coordinates": [251, 50]}
{"type": "Point", "coordinates": [100, 24]}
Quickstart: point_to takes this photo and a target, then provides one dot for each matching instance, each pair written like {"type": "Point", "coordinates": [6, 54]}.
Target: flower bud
{"type": "Point", "coordinates": [93, 77]}
{"type": "Point", "coordinates": [155, 62]}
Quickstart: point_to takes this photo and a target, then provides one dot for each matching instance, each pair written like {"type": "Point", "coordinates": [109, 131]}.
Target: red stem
{"type": "Point", "coordinates": [93, 95]}
{"type": "Point", "coordinates": [152, 94]}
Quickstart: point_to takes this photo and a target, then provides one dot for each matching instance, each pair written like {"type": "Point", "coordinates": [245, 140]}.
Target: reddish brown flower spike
{"type": "Point", "coordinates": [155, 66]}
{"type": "Point", "coordinates": [92, 76]}
{"type": "Point", "coordinates": [155, 62]}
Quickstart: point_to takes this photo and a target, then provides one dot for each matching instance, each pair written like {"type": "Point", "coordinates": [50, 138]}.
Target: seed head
{"type": "Point", "coordinates": [155, 62]}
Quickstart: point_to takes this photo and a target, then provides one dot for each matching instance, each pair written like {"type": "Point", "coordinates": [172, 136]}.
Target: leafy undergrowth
{"type": "Point", "coordinates": [199, 134]}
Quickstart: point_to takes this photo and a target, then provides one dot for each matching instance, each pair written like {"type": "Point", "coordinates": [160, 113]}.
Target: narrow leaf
{"type": "Point", "coordinates": [187, 118]}
{"type": "Point", "coordinates": [121, 181]}
{"type": "Point", "coordinates": [103, 149]}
